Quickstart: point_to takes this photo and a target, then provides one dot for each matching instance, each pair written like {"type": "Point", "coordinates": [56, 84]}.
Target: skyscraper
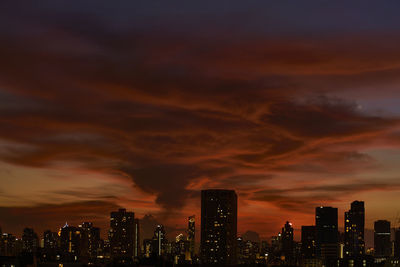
{"type": "Point", "coordinates": [159, 241]}
{"type": "Point", "coordinates": [326, 222]}
{"type": "Point", "coordinates": [70, 242]}
{"type": "Point", "coordinates": [382, 243]}
{"type": "Point", "coordinates": [50, 245]}
{"type": "Point", "coordinates": [308, 242]}
{"type": "Point", "coordinates": [137, 238]}
{"type": "Point", "coordinates": [191, 234]}
{"type": "Point", "coordinates": [30, 241]}
{"type": "Point", "coordinates": [287, 242]}
{"type": "Point", "coordinates": [121, 235]}
{"type": "Point", "coordinates": [90, 240]}
{"type": "Point", "coordinates": [354, 220]}
{"type": "Point", "coordinates": [218, 227]}
{"type": "Point", "coordinates": [397, 243]}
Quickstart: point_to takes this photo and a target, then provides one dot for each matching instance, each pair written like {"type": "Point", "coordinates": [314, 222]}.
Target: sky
{"type": "Point", "coordinates": [142, 104]}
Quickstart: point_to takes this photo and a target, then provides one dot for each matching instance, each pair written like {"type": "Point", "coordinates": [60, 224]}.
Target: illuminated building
{"type": "Point", "coordinates": [382, 243]}
{"type": "Point", "coordinates": [287, 242]}
{"type": "Point", "coordinates": [248, 251]}
{"type": "Point", "coordinates": [191, 234]}
{"type": "Point", "coordinates": [354, 220]}
{"type": "Point", "coordinates": [90, 240]}
{"type": "Point", "coordinates": [50, 245]}
{"type": "Point", "coordinates": [70, 241]}
{"type": "Point", "coordinates": [137, 251]}
{"type": "Point", "coordinates": [30, 241]}
{"type": "Point", "coordinates": [308, 242]}
{"type": "Point", "coordinates": [326, 223]}
{"type": "Point", "coordinates": [8, 245]}
{"type": "Point", "coordinates": [218, 227]}
{"type": "Point", "coordinates": [181, 250]}
{"type": "Point", "coordinates": [122, 235]}
{"type": "Point", "coordinates": [160, 241]}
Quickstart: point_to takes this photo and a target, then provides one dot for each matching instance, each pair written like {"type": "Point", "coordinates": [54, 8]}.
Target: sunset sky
{"type": "Point", "coordinates": [142, 104]}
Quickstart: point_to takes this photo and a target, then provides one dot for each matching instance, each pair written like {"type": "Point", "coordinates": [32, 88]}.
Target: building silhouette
{"type": "Point", "coordinates": [70, 243]}
{"type": "Point", "coordinates": [30, 241]}
{"type": "Point", "coordinates": [382, 242]}
{"type": "Point", "coordinates": [90, 240]}
{"type": "Point", "coordinates": [354, 221]}
{"type": "Point", "coordinates": [287, 242]}
{"type": "Point", "coordinates": [191, 235]}
{"type": "Point", "coordinates": [137, 245]}
{"type": "Point", "coordinates": [326, 223]}
{"type": "Point", "coordinates": [218, 227]}
{"type": "Point", "coordinates": [308, 242]}
{"type": "Point", "coordinates": [51, 242]}
{"type": "Point", "coordinates": [122, 235]}
{"type": "Point", "coordinates": [159, 244]}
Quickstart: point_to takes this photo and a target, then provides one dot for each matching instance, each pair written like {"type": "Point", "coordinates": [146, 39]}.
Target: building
{"type": "Point", "coordinates": [354, 221]}
{"type": "Point", "coordinates": [30, 241]}
{"type": "Point", "coordinates": [50, 245]}
{"type": "Point", "coordinates": [397, 243]}
{"type": "Point", "coordinates": [137, 246]}
{"type": "Point", "coordinates": [382, 242]}
{"type": "Point", "coordinates": [122, 235]}
{"type": "Point", "coordinates": [191, 235]}
{"type": "Point", "coordinates": [308, 242]}
{"type": "Point", "coordinates": [70, 243]}
{"type": "Point", "coordinates": [287, 242]}
{"type": "Point", "coordinates": [218, 227]}
{"type": "Point", "coordinates": [181, 250]}
{"type": "Point", "coordinates": [326, 223]}
{"type": "Point", "coordinates": [160, 241]}
{"type": "Point", "coordinates": [90, 240]}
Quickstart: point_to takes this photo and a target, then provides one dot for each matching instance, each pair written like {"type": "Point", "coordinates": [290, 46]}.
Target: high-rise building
{"type": "Point", "coordinates": [326, 223]}
{"type": "Point", "coordinates": [287, 242]}
{"type": "Point", "coordinates": [191, 234]}
{"type": "Point", "coordinates": [218, 227]}
{"type": "Point", "coordinates": [90, 240]}
{"type": "Point", "coordinates": [8, 245]}
{"type": "Point", "coordinates": [30, 241]}
{"type": "Point", "coordinates": [70, 242]}
{"type": "Point", "coordinates": [308, 242]}
{"type": "Point", "coordinates": [137, 239]}
{"type": "Point", "coordinates": [159, 241]}
{"type": "Point", "coordinates": [122, 234]}
{"type": "Point", "coordinates": [382, 243]}
{"type": "Point", "coordinates": [354, 220]}
{"type": "Point", "coordinates": [50, 245]}
{"type": "Point", "coordinates": [396, 253]}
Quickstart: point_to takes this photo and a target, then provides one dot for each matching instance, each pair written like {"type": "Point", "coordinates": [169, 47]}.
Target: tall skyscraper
{"type": "Point", "coordinates": [70, 242]}
{"type": "Point", "coordinates": [137, 239]}
{"type": "Point", "coordinates": [159, 241]}
{"type": "Point", "coordinates": [122, 234]}
{"type": "Point", "coordinates": [50, 245]}
{"type": "Point", "coordinates": [354, 220]}
{"type": "Point", "coordinates": [191, 234]}
{"type": "Point", "coordinates": [397, 243]}
{"type": "Point", "coordinates": [287, 242]}
{"type": "Point", "coordinates": [308, 242]}
{"type": "Point", "coordinates": [326, 223]}
{"type": "Point", "coordinates": [30, 241]}
{"type": "Point", "coordinates": [90, 240]}
{"type": "Point", "coordinates": [218, 227]}
{"type": "Point", "coordinates": [382, 243]}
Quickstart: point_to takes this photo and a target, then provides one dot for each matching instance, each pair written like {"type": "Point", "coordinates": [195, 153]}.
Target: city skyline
{"type": "Point", "coordinates": [141, 106]}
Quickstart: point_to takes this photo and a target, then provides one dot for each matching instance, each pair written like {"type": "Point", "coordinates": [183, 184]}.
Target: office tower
{"type": "Point", "coordinates": [70, 241]}
{"type": "Point", "coordinates": [354, 220]}
{"type": "Point", "coordinates": [191, 234]}
{"type": "Point", "coordinates": [30, 241]}
{"type": "Point", "coordinates": [218, 227]}
{"type": "Point", "coordinates": [160, 241]}
{"type": "Point", "coordinates": [50, 245]}
{"type": "Point", "coordinates": [382, 243]}
{"type": "Point", "coordinates": [308, 242]}
{"type": "Point", "coordinates": [326, 223]}
{"type": "Point", "coordinates": [121, 234]}
{"type": "Point", "coordinates": [8, 245]}
{"type": "Point", "coordinates": [148, 248]}
{"type": "Point", "coordinates": [397, 243]}
{"type": "Point", "coordinates": [137, 239]}
{"type": "Point", "coordinates": [287, 242]}
{"type": "Point", "coordinates": [90, 240]}
{"type": "Point", "coordinates": [181, 250]}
